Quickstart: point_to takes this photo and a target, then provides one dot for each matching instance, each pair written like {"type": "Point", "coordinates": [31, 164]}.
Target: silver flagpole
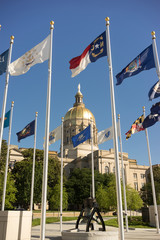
{"type": "Point", "coordinates": [155, 53]}
{"type": "Point", "coordinates": [152, 178]}
{"type": "Point", "coordinates": [7, 159]}
{"type": "Point", "coordinates": [115, 140]}
{"type": "Point", "coordinates": [33, 167]}
{"type": "Point", "coordinates": [45, 162]}
{"type": "Point", "coordinates": [123, 176]}
{"type": "Point", "coordinates": [5, 92]}
{"type": "Point", "coordinates": [61, 190]}
{"type": "Point", "coordinates": [93, 183]}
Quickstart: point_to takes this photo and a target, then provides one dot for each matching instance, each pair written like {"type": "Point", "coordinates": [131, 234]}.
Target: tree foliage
{"type": "Point", "coordinates": [146, 191]}
{"type": "Point", "coordinates": [10, 188]}
{"type": "Point", "coordinates": [22, 174]}
{"type": "Point", "coordinates": [55, 198]}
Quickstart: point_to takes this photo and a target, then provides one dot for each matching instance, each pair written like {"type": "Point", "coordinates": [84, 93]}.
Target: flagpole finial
{"type": "Point", "coordinates": [118, 116]}
{"type": "Point", "coordinates": [107, 20]}
{"type": "Point", "coordinates": [52, 24]}
{"type": "Point", "coordinates": [62, 119]}
{"type": "Point", "coordinates": [12, 103]}
{"type": "Point", "coordinates": [153, 35]}
{"type": "Point", "coordinates": [12, 38]}
{"type": "Point", "coordinates": [143, 108]}
{"type": "Point", "coordinates": [0, 26]}
{"type": "Point", "coordinates": [36, 114]}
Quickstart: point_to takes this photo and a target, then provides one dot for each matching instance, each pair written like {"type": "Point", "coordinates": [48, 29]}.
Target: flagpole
{"type": "Point", "coordinates": [152, 178]}
{"type": "Point", "coordinates": [61, 190]}
{"type": "Point", "coordinates": [155, 53]}
{"type": "Point", "coordinates": [46, 148]}
{"type": "Point", "coordinates": [93, 183]}
{"type": "Point", "coordinates": [7, 159]}
{"type": "Point", "coordinates": [5, 92]}
{"type": "Point", "coordinates": [114, 124]}
{"type": "Point", "coordinates": [33, 167]}
{"type": "Point", "coordinates": [123, 176]}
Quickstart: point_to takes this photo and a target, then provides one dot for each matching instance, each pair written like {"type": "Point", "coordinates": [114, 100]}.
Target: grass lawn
{"type": "Point", "coordinates": [133, 222]}
{"type": "Point", "coordinates": [36, 222]}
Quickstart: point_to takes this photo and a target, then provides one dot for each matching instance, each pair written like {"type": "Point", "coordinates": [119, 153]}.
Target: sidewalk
{"type": "Point", "coordinates": [53, 232]}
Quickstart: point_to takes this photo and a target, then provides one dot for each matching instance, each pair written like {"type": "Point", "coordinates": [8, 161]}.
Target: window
{"type": "Point", "coordinates": [135, 175]}
{"type": "Point", "coordinates": [106, 169]}
{"type": "Point", "coordinates": [142, 176]}
{"type": "Point", "coordinates": [136, 186]}
{"type": "Point", "coordinates": [142, 185]}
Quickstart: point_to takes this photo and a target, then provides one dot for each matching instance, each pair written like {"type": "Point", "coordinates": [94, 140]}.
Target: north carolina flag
{"type": "Point", "coordinates": [94, 51]}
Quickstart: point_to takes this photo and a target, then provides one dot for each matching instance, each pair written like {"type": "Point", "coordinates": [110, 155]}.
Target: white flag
{"type": "Point", "coordinates": [55, 135]}
{"type": "Point", "coordinates": [38, 54]}
{"type": "Point", "coordinates": [106, 134]}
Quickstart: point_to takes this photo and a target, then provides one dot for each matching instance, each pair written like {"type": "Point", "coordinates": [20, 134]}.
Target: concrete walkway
{"type": "Point", "coordinates": [53, 232]}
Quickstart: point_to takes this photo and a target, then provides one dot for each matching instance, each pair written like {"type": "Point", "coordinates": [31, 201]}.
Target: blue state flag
{"type": "Point", "coordinates": [155, 109]}
{"type": "Point", "coordinates": [144, 61]}
{"type": "Point", "coordinates": [153, 117]}
{"type": "Point", "coordinates": [26, 131]}
{"type": "Point", "coordinates": [82, 136]}
{"type": "Point", "coordinates": [154, 91]}
{"type": "Point", "coordinates": [3, 62]}
{"type": "Point", "coordinates": [7, 119]}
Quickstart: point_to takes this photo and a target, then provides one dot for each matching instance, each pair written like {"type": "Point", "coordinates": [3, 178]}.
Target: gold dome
{"type": "Point", "coordinates": [79, 112]}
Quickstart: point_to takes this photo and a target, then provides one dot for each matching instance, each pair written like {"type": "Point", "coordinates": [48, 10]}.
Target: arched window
{"type": "Point", "coordinates": [106, 169]}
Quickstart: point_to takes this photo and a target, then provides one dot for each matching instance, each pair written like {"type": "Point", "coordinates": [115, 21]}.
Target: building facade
{"type": "Point", "coordinates": [77, 119]}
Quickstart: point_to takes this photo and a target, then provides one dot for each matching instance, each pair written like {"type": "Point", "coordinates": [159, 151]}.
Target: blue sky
{"type": "Point", "coordinates": [77, 24]}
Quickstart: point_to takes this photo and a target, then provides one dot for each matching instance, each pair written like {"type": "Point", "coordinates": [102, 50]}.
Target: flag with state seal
{"type": "Point", "coordinates": [82, 136]}
{"type": "Point", "coordinates": [55, 135]}
{"type": "Point", "coordinates": [38, 54]}
{"type": "Point", "coordinates": [92, 53]}
{"type": "Point", "coordinates": [26, 131]}
{"type": "Point", "coordinates": [154, 91]}
{"type": "Point", "coordinates": [144, 61]}
{"type": "Point", "coordinates": [106, 134]}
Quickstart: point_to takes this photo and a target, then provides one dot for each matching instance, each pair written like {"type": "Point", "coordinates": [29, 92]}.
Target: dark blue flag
{"type": "Point", "coordinates": [27, 131]}
{"type": "Point", "coordinates": [81, 137]}
{"type": "Point", "coordinates": [155, 109]}
{"type": "Point", "coordinates": [144, 61]}
{"type": "Point", "coordinates": [150, 120]}
{"type": "Point", "coordinates": [3, 62]}
{"type": "Point", "coordinates": [153, 117]}
{"type": "Point", "coordinates": [154, 91]}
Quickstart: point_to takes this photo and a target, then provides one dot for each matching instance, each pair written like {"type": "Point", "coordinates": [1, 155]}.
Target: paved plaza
{"type": "Point", "coordinates": [53, 232]}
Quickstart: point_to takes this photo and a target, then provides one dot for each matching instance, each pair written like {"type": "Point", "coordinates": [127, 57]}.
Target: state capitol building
{"type": "Point", "coordinates": [77, 119]}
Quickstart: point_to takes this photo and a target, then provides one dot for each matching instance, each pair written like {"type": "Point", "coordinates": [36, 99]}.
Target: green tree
{"type": "Point", "coordinates": [134, 201]}
{"type": "Point", "coordinates": [102, 198]}
{"type": "Point", "coordinates": [22, 174]}
{"type": "Point", "coordinates": [55, 198]}
{"type": "Point", "coordinates": [111, 190]}
{"type": "Point", "coordinates": [79, 185]}
{"type": "Point", "coordinates": [146, 191]}
{"type": "Point", "coordinates": [10, 188]}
